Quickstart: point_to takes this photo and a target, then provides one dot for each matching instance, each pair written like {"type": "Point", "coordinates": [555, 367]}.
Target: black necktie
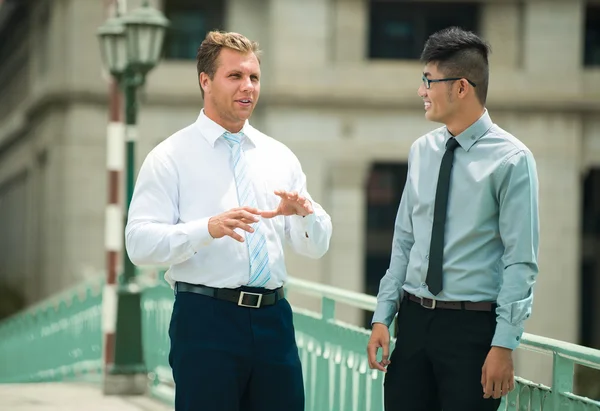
{"type": "Point", "coordinates": [436, 249]}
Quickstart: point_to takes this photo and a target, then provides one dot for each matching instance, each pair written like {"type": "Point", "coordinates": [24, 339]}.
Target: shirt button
{"type": "Point", "coordinates": [427, 257]}
{"type": "Point", "coordinates": [518, 338]}
{"type": "Point", "coordinates": [423, 285]}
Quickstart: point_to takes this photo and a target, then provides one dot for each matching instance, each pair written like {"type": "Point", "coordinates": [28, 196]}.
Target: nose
{"type": "Point", "coordinates": [422, 91]}
{"type": "Point", "coordinates": [247, 84]}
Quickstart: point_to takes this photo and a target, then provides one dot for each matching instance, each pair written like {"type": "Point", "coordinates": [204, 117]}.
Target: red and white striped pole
{"type": "Point", "coordinates": [115, 162]}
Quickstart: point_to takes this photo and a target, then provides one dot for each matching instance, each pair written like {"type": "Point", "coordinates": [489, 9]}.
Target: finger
{"type": "Point", "coordinates": [234, 235]}
{"type": "Point", "coordinates": [293, 196]}
{"type": "Point", "coordinates": [251, 210]}
{"type": "Point", "coordinates": [371, 355]}
{"type": "Point", "coordinates": [269, 214]}
{"type": "Point", "coordinates": [497, 389]}
{"type": "Point", "coordinates": [372, 349]}
{"type": "Point", "coordinates": [281, 193]}
{"type": "Point", "coordinates": [489, 388]}
{"type": "Point", "coordinates": [247, 215]}
{"type": "Point", "coordinates": [511, 385]}
{"type": "Point", "coordinates": [239, 224]}
{"type": "Point", "coordinates": [386, 354]}
{"type": "Point", "coordinates": [308, 207]}
{"type": "Point", "coordinates": [247, 221]}
{"type": "Point", "coordinates": [505, 388]}
{"type": "Point", "coordinates": [483, 379]}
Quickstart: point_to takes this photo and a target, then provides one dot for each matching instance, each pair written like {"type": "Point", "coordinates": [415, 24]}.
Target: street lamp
{"type": "Point", "coordinates": [131, 46]}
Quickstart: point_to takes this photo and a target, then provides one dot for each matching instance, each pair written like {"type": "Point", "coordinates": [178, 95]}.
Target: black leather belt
{"type": "Point", "coordinates": [242, 298]}
{"type": "Point", "coordinates": [451, 305]}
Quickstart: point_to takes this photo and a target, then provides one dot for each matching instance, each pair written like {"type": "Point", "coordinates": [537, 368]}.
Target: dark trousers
{"type": "Point", "coordinates": [436, 364]}
{"type": "Point", "coordinates": [230, 358]}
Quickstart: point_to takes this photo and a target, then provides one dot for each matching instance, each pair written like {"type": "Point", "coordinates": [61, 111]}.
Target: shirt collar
{"type": "Point", "coordinates": [211, 131]}
{"type": "Point", "coordinates": [474, 132]}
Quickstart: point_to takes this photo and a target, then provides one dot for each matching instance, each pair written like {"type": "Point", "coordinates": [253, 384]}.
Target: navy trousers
{"type": "Point", "coordinates": [230, 358]}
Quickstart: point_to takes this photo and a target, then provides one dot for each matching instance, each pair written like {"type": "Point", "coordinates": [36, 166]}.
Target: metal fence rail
{"type": "Point", "coordinates": [349, 345]}
{"type": "Point", "coordinates": [61, 339]}
{"type": "Point", "coordinates": [55, 340]}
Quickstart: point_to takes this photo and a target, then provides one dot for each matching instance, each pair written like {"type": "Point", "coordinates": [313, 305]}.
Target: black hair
{"type": "Point", "coordinates": [460, 53]}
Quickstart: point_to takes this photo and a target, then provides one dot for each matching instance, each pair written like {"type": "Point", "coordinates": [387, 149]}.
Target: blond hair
{"type": "Point", "coordinates": [209, 50]}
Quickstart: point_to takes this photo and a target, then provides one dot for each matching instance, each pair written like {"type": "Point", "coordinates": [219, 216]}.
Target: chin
{"type": "Point", "coordinates": [432, 117]}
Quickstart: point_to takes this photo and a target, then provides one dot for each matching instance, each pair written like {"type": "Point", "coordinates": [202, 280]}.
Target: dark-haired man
{"type": "Point", "coordinates": [464, 257]}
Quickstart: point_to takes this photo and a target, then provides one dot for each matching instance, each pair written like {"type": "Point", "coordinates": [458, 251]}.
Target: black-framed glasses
{"type": "Point", "coordinates": [427, 82]}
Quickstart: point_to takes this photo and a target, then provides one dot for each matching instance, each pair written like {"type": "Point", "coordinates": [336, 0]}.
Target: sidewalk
{"type": "Point", "coordinates": [70, 397]}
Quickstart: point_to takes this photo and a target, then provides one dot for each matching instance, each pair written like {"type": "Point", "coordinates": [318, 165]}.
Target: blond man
{"type": "Point", "coordinates": [216, 202]}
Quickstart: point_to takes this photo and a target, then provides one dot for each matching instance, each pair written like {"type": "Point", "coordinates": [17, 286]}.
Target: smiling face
{"type": "Point", "coordinates": [438, 102]}
{"type": "Point", "coordinates": [231, 95]}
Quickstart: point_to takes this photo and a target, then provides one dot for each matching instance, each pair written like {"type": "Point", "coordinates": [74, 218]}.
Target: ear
{"type": "Point", "coordinates": [204, 81]}
{"type": "Point", "coordinates": [463, 88]}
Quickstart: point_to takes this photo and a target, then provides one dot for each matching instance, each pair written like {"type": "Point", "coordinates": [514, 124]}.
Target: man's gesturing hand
{"type": "Point", "coordinates": [291, 204]}
{"type": "Point", "coordinates": [380, 337]}
{"type": "Point", "coordinates": [224, 224]}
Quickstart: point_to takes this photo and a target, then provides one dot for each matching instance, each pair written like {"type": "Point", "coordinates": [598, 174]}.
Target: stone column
{"type": "Point", "coordinates": [346, 257]}
{"type": "Point", "coordinates": [502, 29]}
{"type": "Point", "coordinates": [351, 26]}
{"type": "Point", "coordinates": [300, 34]}
{"type": "Point", "coordinates": [549, 26]}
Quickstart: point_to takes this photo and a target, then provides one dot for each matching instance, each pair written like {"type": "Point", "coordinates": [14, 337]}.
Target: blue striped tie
{"type": "Point", "coordinates": [260, 272]}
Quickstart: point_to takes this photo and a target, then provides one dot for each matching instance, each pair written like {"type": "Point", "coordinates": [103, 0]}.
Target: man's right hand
{"type": "Point", "coordinates": [380, 338]}
{"type": "Point", "coordinates": [224, 224]}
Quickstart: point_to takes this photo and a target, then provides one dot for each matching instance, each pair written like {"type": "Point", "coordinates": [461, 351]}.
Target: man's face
{"type": "Point", "coordinates": [233, 92]}
{"type": "Point", "coordinates": [437, 98]}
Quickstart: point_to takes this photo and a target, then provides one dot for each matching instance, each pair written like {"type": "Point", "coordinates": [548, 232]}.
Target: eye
{"type": "Point", "coordinates": [254, 78]}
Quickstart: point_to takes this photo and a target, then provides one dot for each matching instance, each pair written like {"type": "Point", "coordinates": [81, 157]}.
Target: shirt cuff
{"type": "Point", "coordinates": [507, 335]}
{"type": "Point", "coordinates": [306, 223]}
{"type": "Point", "coordinates": [384, 313]}
{"type": "Point", "coordinates": [197, 233]}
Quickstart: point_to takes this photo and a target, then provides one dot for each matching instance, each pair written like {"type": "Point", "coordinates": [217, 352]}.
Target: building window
{"type": "Point", "coordinates": [592, 35]}
{"type": "Point", "coordinates": [190, 21]}
{"type": "Point", "coordinates": [399, 28]}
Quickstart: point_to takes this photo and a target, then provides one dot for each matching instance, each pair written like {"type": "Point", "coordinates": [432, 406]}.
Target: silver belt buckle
{"type": "Point", "coordinates": [432, 307]}
{"type": "Point", "coordinates": [241, 299]}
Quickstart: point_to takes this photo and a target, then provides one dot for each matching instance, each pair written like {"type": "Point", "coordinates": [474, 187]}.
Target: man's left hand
{"type": "Point", "coordinates": [498, 374]}
{"type": "Point", "coordinates": [291, 204]}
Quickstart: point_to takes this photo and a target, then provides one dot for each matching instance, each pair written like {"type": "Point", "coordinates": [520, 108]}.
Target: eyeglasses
{"type": "Point", "coordinates": [427, 82]}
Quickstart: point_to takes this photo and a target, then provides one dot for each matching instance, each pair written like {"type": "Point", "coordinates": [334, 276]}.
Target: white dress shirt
{"type": "Point", "coordinates": [188, 178]}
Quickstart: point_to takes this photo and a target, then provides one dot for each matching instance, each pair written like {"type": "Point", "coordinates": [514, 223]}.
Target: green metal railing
{"type": "Point", "coordinates": [348, 345]}
{"type": "Point", "coordinates": [61, 339]}
{"type": "Point", "coordinates": [58, 339]}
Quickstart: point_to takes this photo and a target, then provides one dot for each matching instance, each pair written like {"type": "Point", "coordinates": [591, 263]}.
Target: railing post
{"type": "Point", "coordinates": [327, 309]}
{"type": "Point", "coordinates": [562, 381]}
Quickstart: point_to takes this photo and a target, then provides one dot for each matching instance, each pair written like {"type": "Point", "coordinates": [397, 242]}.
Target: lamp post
{"type": "Point", "coordinates": [130, 46]}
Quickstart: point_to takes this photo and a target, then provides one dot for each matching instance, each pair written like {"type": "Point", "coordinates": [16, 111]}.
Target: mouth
{"type": "Point", "coordinates": [427, 105]}
{"type": "Point", "coordinates": [244, 102]}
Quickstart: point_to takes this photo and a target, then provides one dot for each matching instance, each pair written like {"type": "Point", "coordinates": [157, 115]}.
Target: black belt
{"type": "Point", "coordinates": [451, 305]}
{"type": "Point", "coordinates": [242, 298]}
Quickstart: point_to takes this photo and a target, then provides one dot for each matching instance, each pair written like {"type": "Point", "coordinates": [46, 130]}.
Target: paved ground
{"type": "Point", "coordinates": [70, 397]}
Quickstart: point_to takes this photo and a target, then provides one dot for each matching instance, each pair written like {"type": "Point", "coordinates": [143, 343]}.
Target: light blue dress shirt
{"type": "Point", "coordinates": [492, 227]}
